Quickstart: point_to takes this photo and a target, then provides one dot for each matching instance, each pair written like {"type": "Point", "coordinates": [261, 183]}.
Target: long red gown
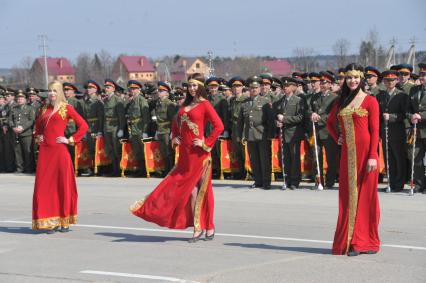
{"type": "Point", "coordinates": [169, 205]}
{"type": "Point", "coordinates": [359, 211]}
{"type": "Point", "coordinates": [55, 191]}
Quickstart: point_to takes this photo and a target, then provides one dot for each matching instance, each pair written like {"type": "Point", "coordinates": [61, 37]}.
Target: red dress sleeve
{"type": "Point", "coordinates": [214, 119]}
{"type": "Point", "coordinates": [373, 126]}
{"type": "Point", "coordinates": [175, 129]}
{"type": "Point", "coordinates": [82, 126]}
{"type": "Point", "coordinates": [332, 122]}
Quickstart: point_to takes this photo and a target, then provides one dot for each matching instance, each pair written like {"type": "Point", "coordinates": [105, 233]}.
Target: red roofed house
{"type": "Point", "coordinates": [58, 69]}
{"type": "Point", "coordinates": [133, 68]}
{"type": "Point", "coordinates": [277, 68]}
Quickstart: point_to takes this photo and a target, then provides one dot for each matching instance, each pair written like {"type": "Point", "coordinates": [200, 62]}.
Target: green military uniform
{"type": "Point", "coordinates": [406, 87]}
{"type": "Point", "coordinates": [9, 137]}
{"type": "Point", "coordinates": [321, 104]}
{"type": "Point", "coordinates": [254, 123]}
{"type": "Point", "coordinates": [22, 116]}
{"type": "Point", "coordinates": [417, 104]}
{"type": "Point", "coordinates": [3, 122]}
{"type": "Point", "coordinates": [93, 110]}
{"type": "Point", "coordinates": [165, 110]}
{"type": "Point", "coordinates": [238, 149]}
{"type": "Point", "coordinates": [114, 123]}
{"type": "Point", "coordinates": [137, 115]}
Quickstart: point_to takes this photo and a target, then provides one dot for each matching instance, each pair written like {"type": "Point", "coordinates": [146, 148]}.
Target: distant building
{"type": "Point", "coordinates": [58, 69]}
{"type": "Point", "coordinates": [278, 67]}
{"type": "Point", "coordinates": [133, 68]}
{"type": "Point", "coordinates": [186, 66]}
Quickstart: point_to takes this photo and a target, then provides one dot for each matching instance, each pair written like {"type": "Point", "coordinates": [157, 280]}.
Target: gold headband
{"type": "Point", "coordinates": [194, 81]}
{"type": "Point", "coordinates": [354, 73]}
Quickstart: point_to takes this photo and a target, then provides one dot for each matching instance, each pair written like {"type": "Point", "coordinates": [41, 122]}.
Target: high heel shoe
{"type": "Point", "coordinates": [197, 238]}
{"type": "Point", "coordinates": [210, 237]}
{"type": "Point", "coordinates": [353, 253]}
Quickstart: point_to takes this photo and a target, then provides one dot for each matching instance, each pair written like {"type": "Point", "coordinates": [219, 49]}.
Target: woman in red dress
{"type": "Point", "coordinates": [55, 191]}
{"type": "Point", "coordinates": [185, 197]}
{"type": "Point", "coordinates": [358, 133]}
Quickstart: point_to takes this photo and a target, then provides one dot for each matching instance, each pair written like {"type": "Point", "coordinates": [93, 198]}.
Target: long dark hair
{"type": "Point", "coordinates": [346, 94]}
{"type": "Point", "coordinates": [201, 90]}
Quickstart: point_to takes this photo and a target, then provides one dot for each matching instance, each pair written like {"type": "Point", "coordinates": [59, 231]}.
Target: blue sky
{"type": "Point", "coordinates": [228, 28]}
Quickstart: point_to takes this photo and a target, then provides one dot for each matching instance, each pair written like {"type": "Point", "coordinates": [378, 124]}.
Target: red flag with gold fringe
{"type": "Point", "coordinates": [305, 158]}
{"type": "Point", "coordinates": [154, 160]}
{"type": "Point", "coordinates": [276, 155]}
{"type": "Point", "coordinates": [82, 156]}
{"type": "Point", "coordinates": [128, 161]}
{"type": "Point", "coordinates": [247, 165]}
{"type": "Point", "coordinates": [101, 157]}
{"type": "Point", "coordinates": [381, 158]}
{"type": "Point", "coordinates": [228, 161]}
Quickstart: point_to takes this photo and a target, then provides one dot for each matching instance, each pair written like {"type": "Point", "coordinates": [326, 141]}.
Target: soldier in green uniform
{"type": "Point", "coordinates": [9, 135]}
{"type": "Point", "coordinates": [416, 113]}
{"type": "Point", "coordinates": [3, 121]}
{"type": "Point", "coordinates": [165, 110]}
{"type": "Point", "coordinates": [372, 76]}
{"type": "Point", "coordinates": [93, 110]}
{"type": "Point", "coordinates": [277, 88]}
{"type": "Point", "coordinates": [289, 114]}
{"type": "Point", "coordinates": [114, 123]}
{"type": "Point", "coordinates": [404, 71]}
{"type": "Point", "coordinates": [33, 99]}
{"type": "Point", "coordinates": [220, 104]}
{"type": "Point", "coordinates": [320, 108]}
{"type": "Point", "coordinates": [21, 120]}
{"type": "Point", "coordinates": [137, 115]}
{"type": "Point", "coordinates": [71, 92]}
{"type": "Point", "coordinates": [393, 105]}
{"type": "Point", "coordinates": [238, 98]}
{"type": "Point", "coordinates": [265, 89]}
{"type": "Point", "coordinates": [255, 128]}
{"type": "Point", "coordinates": [341, 76]}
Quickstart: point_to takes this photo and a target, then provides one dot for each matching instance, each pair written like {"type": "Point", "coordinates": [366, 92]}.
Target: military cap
{"type": "Point", "coordinates": [20, 93]}
{"type": "Point", "coordinates": [31, 90]}
{"type": "Point", "coordinates": [164, 86]}
{"type": "Point", "coordinates": [327, 77]}
{"type": "Point", "coordinates": [10, 91]}
{"type": "Point", "coordinates": [224, 87]}
{"type": "Point", "coordinates": [43, 93]}
{"type": "Point", "coordinates": [371, 71]}
{"type": "Point", "coordinates": [300, 81]}
{"type": "Point", "coordinates": [134, 84]}
{"type": "Point", "coordinates": [254, 81]}
{"type": "Point", "coordinates": [67, 86]}
{"type": "Point", "coordinates": [184, 84]}
{"type": "Point", "coordinates": [266, 78]}
{"type": "Point", "coordinates": [288, 81]}
{"type": "Point", "coordinates": [149, 89]}
{"type": "Point", "coordinates": [276, 82]}
{"type": "Point", "coordinates": [2, 89]}
{"type": "Point", "coordinates": [390, 75]}
{"type": "Point", "coordinates": [405, 68]}
{"type": "Point", "coordinates": [340, 73]}
{"type": "Point", "coordinates": [414, 76]}
{"type": "Point", "coordinates": [314, 76]}
{"type": "Point", "coordinates": [236, 81]}
{"type": "Point", "coordinates": [422, 67]}
{"type": "Point", "coordinates": [214, 81]}
{"type": "Point", "coordinates": [297, 75]}
{"type": "Point", "coordinates": [92, 83]}
{"type": "Point", "coordinates": [394, 67]}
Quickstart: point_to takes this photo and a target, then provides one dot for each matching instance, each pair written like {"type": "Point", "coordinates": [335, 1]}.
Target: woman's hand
{"type": "Point", "coordinates": [39, 139]}
{"type": "Point", "coordinates": [371, 165]}
{"type": "Point", "coordinates": [176, 141]}
{"type": "Point", "coordinates": [198, 142]}
{"type": "Point", "coordinates": [62, 140]}
{"type": "Point", "coordinates": [340, 140]}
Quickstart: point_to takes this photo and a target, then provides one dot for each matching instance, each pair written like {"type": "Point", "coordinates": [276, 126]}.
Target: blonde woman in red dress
{"type": "Point", "coordinates": [354, 124]}
{"type": "Point", "coordinates": [55, 191]}
{"type": "Point", "coordinates": [185, 197]}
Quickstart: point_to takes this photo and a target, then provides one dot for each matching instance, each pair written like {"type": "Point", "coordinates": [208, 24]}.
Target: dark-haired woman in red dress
{"type": "Point", "coordinates": [358, 116]}
{"type": "Point", "coordinates": [55, 191]}
{"type": "Point", "coordinates": [185, 197]}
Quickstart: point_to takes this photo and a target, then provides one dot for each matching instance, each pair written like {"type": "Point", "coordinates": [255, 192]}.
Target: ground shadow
{"type": "Point", "coordinates": [282, 248]}
{"type": "Point", "coordinates": [124, 237]}
{"type": "Point", "coordinates": [233, 186]}
{"type": "Point", "coordinates": [20, 230]}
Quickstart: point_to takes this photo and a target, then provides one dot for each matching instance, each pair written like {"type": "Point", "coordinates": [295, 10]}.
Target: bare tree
{"type": "Point", "coordinates": [21, 73]}
{"type": "Point", "coordinates": [304, 59]}
{"type": "Point", "coordinates": [341, 50]}
{"type": "Point", "coordinates": [107, 62]}
{"type": "Point", "coordinates": [82, 68]}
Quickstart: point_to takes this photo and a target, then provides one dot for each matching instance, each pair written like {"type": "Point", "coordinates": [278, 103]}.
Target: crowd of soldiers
{"type": "Point", "coordinates": [253, 111]}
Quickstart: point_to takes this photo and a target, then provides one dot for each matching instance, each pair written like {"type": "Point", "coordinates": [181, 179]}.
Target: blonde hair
{"type": "Point", "coordinates": [57, 87]}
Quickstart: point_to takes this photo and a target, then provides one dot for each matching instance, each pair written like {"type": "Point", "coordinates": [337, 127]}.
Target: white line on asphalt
{"type": "Point", "coordinates": [220, 234]}
{"type": "Point", "coordinates": [143, 276]}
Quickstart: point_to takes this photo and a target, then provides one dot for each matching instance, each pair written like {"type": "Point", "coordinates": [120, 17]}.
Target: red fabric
{"type": "Point", "coordinates": [169, 205]}
{"type": "Point", "coordinates": [55, 192]}
{"type": "Point", "coordinates": [365, 236]}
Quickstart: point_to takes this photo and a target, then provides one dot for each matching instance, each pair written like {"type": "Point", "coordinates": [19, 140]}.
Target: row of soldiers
{"type": "Point", "coordinates": [252, 110]}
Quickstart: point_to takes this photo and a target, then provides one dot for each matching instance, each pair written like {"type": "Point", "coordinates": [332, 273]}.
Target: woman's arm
{"type": "Point", "coordinates": [217, 124]}
{"type": "Point", "coordinates": [332, 122]}
{"type": "Point", "coordinates": [82, 126]}
{"type": "Point", "coordinates": [373, 126]}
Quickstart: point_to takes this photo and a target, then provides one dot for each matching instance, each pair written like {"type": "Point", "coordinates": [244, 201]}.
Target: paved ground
{"type": "Point", "coordinates": [262, 236]}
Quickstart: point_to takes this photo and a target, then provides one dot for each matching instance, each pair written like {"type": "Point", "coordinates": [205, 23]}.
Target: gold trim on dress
{"type": "Point", "coordinates": [63, 111]}
{"type": "Point", "coordinates": [201, 193]}
{"type": "Point", "coordinates": [191, 125]}
{"type": "Point", "coordinates": [53, 222]}
{"type": "Point", "coordinates": [206, 148]}
{"type": "Point", "coordinates": [348, 122]}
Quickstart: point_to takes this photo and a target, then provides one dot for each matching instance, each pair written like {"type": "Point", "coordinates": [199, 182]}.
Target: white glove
{"type": "Point", "coordinates": [120, 134]}
{"type": "Point", "coordinates": [144, 135]}
{"type": "Point", "coordinates": [225, 134]}
{"type": "Point", "coordinates": [99, 134]}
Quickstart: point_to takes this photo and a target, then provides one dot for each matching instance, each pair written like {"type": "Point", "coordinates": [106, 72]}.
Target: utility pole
{"type": "Point", "coordinates": [43, 45]}
{"type": "Point", "coordinates": [412, 53]}
{"type": "Point", "coordinates": [211, 68]}
{"type": "Point", "coordinates": [390, 60]}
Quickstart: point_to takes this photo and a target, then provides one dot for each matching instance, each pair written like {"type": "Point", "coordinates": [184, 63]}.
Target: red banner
{"type": "Point", "coordinates": [82, 156]}
{"type": "Point", "coordinates": [101, 157]}
{"type": "Point", "coordinates": [154, 160]}
{"type": "Point", "coordinates": [306, 158]}
{"type": "Point", "coordinates": [128, 159]}
{"type": "Point", "coordinates": [381, 166]}
{"type": "Point", "coordinates": [228, 161]}
{"type": "Point", "coordinates": [276, 156]}
{"type": "Point", "coordinates": [247, 164]}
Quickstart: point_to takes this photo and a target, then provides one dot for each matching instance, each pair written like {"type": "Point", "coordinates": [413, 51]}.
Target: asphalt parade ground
{"type": "Point", "coordinates": [261, 236]}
